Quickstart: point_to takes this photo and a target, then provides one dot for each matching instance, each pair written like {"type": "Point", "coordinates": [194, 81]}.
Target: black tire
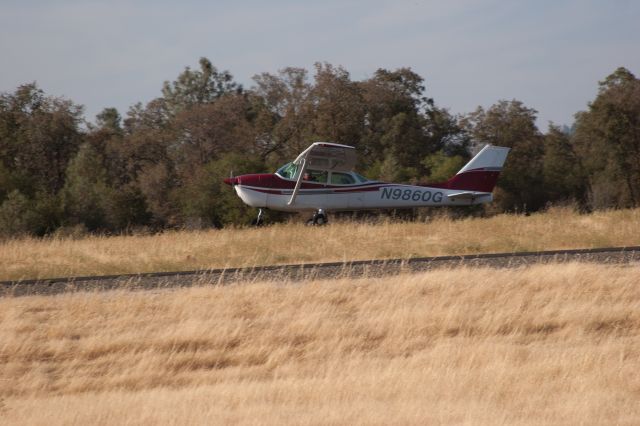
{"type": "Point", "coordinates": [319, 219]}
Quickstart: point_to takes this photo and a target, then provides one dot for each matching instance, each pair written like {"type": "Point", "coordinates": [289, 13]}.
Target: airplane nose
{"type": "Point", "coordinates": [231, 181]}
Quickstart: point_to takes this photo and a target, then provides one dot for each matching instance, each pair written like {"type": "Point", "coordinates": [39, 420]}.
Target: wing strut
{"type": "Point", "coordinates": [298, 182]}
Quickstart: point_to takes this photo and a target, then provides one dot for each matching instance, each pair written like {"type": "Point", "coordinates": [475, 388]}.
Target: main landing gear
{"type": "Point", "coordinates": [259, 221]}
{"type": "Point", "coordinates": [319, 218]}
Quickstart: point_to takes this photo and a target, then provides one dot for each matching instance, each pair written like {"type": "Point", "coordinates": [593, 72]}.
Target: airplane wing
{"type": "Point", "coordinates": [324, 156]}
{"type": "Point", "coordinates": [466, 195]}
{"type": "Point", "coordinates": [329, 156]}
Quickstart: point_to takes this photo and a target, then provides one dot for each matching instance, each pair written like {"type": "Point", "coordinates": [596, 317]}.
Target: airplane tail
{"type": "Point", "coordinates": [481, 173]}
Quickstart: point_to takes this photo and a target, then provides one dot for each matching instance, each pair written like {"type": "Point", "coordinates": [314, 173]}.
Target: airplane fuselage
{"type": "Point", "coordinates": [274, 192]}
{"type": "Point", "coordinates": [321, 179]}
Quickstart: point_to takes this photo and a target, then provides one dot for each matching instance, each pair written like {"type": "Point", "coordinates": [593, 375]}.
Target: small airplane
{"type": "Point", "coordinates": [322, 180]}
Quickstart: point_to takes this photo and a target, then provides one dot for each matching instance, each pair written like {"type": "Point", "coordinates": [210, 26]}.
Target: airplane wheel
{"type": "Point", "coordinates": [320, 219]}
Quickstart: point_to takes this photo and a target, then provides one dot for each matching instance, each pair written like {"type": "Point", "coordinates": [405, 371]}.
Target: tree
{"type": "Point", "coordinates": [205, 132]}
{"type": "Point", "coordinates": [157, 183]}
{"type": "Point", "coordinates": [195, 87]}
{"type": "Point", "coordinates": [607, 139]}
{"type": "Point", "coordinates": [563, 173]}
{"type": "Point", "coordinates": [206, 201]}
{"type": "Point", "coordinates": [86, 193]}
{"type": "Point", "coordinates": [148, 169]}
{"type": "Point", "coordinates": [14, 215]}
{"type": "Point", "coordinates": [511, 124]}
{"type": "Point", "coordinates": [396, 119]}
{"type": "Point", "coordinates": [38, 137]}
{"type": "Point", "coordinates": [443, 167]}
{"type": "Point", "coordinates": [337, 104]}
{"type": "Point", "coordinates": [283, 100]}
{"type": "Point", "coordinates": [110, 120]}
{"type": "Point", "coordinates": [107, 139]}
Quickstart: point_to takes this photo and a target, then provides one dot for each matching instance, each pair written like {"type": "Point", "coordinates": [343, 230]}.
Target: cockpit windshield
{"type": "Point", "coordinates": [288, 171]}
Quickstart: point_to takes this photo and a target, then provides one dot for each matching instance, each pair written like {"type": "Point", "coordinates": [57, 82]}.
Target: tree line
{"type": "Point", "coordinates": [162, 164]}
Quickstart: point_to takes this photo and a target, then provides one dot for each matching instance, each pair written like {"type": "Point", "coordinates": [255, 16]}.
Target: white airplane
{"type": "Point", "coordinates": [322, 180]}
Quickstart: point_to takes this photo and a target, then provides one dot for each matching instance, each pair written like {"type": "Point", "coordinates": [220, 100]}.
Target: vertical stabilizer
{"type": "Point", "coordinates": [482, 172]}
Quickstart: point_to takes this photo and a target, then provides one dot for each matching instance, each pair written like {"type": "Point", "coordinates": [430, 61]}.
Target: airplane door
{"type": "Point", "coordinates": [314, 191]}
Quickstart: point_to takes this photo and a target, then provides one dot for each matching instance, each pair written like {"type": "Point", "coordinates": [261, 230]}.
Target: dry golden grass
{"type": "Point", "coordinates": [547, 344]}
{"type": "Point", "coordinates": [293, 243]}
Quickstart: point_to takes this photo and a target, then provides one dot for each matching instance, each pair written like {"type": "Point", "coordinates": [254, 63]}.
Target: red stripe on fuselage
{"type": "Point", "coordinates": [273, 181]}
{"type": "Point", "coordinates": [479, 180]}
{"type": "Point", "coordinates": [315, 190]}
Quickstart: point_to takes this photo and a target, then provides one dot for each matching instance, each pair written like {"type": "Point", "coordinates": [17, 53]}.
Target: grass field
{"type": "Point", "coordinates": [293, 243]}
{"type": "Point", "coordinates": [553, 344]}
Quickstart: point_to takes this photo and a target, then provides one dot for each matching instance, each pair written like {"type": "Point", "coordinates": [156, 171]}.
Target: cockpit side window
{"type": "Point", "coordinates": [360, 178]}
{"type": "Point", "coordinates": [288, 171]}
{"type": "Point", "coordinates": [315, 176]}
{"type": "Point", "coordinates": [342, 179]}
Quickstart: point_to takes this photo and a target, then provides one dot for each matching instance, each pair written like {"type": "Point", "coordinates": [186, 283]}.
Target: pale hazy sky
{"type": "Point", "coordinates": [548, 54]}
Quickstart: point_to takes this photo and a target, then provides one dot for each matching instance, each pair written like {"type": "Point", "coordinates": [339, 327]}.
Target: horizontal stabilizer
{"type": "Point", "coordinates": [467, 195]}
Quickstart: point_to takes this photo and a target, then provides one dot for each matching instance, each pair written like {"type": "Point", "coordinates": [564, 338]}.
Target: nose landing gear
{"type": "Point", "coordinates": [319, 218]}
{"type": "Point", "coordinates": [259, 221]}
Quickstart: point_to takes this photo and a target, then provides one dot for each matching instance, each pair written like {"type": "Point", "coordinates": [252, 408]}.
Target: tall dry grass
{"type": "Point", "coordinates": [553, 344]}
{"type": "Point", "coordinates": [293, 243]}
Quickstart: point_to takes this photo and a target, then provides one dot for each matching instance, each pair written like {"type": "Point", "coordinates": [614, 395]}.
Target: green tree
{"type": "Point", "coordinates": [389, 169]}
{"type": "Point", "coordinates": [283, 102]}
{"type": "Point", "coordinates": [394, 124]}
{"type": "Point", "coordinates": [144, 153]}
{"type": "Point", "coordinates": [402, 122]}
{"type": "Point", "coordinates": [442, 167]}
{"type": "Point", "coordinates": [157, 182]}
{"type": "Point", "coordinates": [86, 193]}
{"type": "Point", "coordinates": [337, 104]}
{"type": "Point", "coordinates": [15, 214]}
{"type": "Point", "coordinates": [125, 208]}
{"type": "Point", "coordinates": [511, 124]}
{"type": "Point", "coordinates": [563, 174]}
{"type": "Point", "coordinates": [6, 181]}
{"type": "Point", "coordinates": [205, 132]}
{"type": "Point", "coordinates": [195, 87]}
{"type": "Point", "coordinates": [109, 119]}
{"type": "Point", "coordinates": [38, 137]}
{"type": "Point", "coordinates": [206, 201]}
{"type": "Point", "coordinates": [607, 139]}
{"type": "Point", "coordinates": [107, 139]}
